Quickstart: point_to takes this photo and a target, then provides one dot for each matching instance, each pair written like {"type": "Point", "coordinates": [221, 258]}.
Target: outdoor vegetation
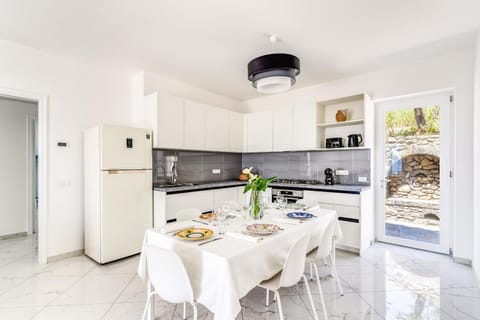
{"type": "Point", "coordinates": [416, 121]}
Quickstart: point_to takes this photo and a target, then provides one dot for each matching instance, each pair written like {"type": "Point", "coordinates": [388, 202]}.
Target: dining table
{"type": "Point", "coordinates": [226, 269]}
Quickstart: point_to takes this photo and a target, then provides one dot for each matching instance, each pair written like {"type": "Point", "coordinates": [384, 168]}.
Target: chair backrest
{"type": "Point", "coordinates": [168, 276]}
{"type": "Point", "coordinates": [188, 214]}
{"type": "Point", "coordinates": [295, 263]}
{"type": "Point", "coordinates": [325, 245]}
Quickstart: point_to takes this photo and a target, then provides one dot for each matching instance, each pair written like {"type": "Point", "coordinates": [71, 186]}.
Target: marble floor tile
{"type": "Point", "coordinates": [134, 311]}
{"type": "Point", "coordinates": [19, 313]}
{"type": "Point", "coordinates": [460, 303]}
{"type": "Point", "coordinates": [93, 289]}
{"type": "Point", "coordinates": [75, 266]}
{"type": "Point", "coordinates": [348, 307]}
{"type": "Point", "coordinates": [388, 282]}
{"type": "Point", "coordinates": [403, 304]}
{"type": "Point", "coordinates": [79, 312]}
{"type": "Point", "coordinates": [37, 291]}
{"type": "Point", "coordinates": [124, 266]}
{"type": "Point", "coordinates": [378, 281]}
{"type": "Point", "coordinates": [135, 291]}
{"type": "Point", "coordinates": [253, 308]}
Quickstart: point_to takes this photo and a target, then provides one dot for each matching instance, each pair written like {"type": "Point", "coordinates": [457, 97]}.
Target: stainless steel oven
{"type": "Point", "coordinates": [292, 195]}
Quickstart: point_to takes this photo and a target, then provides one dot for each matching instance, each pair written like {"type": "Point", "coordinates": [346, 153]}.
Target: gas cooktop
{"type": "Point", "coordinates": [297, 181]}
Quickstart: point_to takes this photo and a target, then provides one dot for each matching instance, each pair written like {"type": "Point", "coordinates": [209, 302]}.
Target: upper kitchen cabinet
{"type": "Point", "coordinates": [216, 129]}
{"type": "Point", "coordinates": [304, 127]}
{"type": "Point", "coordinates": [195, 125]}
{"type": "Point", "coordinates": [282, 129]}
{"type": "Point", "coordinates": [359, 120]}
{"type": "Point", "coordinates": [164, 115]}
{"type": "Point", "coordinates": [259, 131]}
{"type": "Point", "coordinates": [235, 132]}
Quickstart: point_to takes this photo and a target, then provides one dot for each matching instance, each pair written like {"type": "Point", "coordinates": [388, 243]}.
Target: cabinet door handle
{"type": "Point", "coordinates": [348, 220]}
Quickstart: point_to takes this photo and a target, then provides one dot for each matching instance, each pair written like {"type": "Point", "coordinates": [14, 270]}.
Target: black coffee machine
{"type": "Point", "coordinates": [329, 177]}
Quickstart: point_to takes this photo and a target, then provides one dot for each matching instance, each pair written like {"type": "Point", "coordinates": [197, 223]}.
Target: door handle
{"type": "Point", "coordinates": [385, 180]}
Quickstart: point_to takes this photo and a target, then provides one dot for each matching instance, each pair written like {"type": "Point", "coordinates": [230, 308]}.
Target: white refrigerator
{"type": "Point", "coordinates": [117, 190]}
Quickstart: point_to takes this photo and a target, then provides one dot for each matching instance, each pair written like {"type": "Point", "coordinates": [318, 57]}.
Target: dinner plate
{"type": "Point", "coordinates": [194, 234]}
{"type": "Point", "coordinates": [206, 216]}
{"type": "Point", "coordinates": [300, 215]}
{"type": "Point", "coordinates": [262, 228]}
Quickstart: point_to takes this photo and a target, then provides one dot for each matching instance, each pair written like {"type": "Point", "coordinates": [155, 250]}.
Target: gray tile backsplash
{"type": "Point", "coordinates": [197, 166]}
{"type": "Point", "coordinates": [311, 165]}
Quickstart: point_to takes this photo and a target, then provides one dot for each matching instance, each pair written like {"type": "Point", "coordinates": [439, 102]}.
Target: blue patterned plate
{"type": "Point", "coordinates": [299, 215]}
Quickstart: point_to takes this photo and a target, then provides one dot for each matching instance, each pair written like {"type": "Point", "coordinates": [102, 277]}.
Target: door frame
{"type": "Point", "coordinates": [43, 168]}
{"type": "Point", "coordinates": [31, 136]}
{"type": "Point", "coordinates": [447, 194]}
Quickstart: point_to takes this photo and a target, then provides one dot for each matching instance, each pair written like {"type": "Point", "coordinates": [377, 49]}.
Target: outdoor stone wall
{"type": "Point", "coordinates": [413, 192]}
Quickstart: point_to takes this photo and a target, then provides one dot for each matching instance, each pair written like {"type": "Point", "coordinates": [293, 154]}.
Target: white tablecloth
{"type": "Point", "coordinates": [225, 270]}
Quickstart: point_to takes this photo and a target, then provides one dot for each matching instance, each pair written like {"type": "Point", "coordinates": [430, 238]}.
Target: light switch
{"type": "Point", "coordinates": [216, 171]}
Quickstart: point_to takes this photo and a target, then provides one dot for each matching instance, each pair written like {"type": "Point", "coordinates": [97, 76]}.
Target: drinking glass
{"type": "Point", "coordinates": [220, 218]}
{"type": "Point", "coordinates": [279, 200]}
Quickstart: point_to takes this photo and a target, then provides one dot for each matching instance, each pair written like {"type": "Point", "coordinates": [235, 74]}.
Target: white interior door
{"type": "Point", "coordinates": [413, 169]}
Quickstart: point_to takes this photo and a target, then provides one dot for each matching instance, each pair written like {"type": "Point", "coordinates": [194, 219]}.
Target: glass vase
{"type": "Point", "coordinates": [256, 209]}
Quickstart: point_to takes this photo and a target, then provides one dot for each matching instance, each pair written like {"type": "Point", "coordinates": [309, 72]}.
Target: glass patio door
{"type": "Point", "coordinates": [413, 162]}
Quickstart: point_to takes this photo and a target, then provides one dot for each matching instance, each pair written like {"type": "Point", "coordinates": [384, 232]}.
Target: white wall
{"type": "Point", "coordinates": [80, 96]}
{"type": "Point", "coordinates": [451, 70]}
{"type": "Point", "coordinates": [13, 165]}
{"type": "Point", "coordinates": [476, 161]}
{"type": "Point", "coordinates": [158, 83]}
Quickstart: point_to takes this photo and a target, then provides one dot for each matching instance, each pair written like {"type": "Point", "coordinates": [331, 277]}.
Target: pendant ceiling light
{"type": "Point", "coordinates": [273, 73]}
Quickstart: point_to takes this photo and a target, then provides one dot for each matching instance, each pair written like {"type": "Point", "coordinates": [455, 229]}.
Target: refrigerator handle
{"type": "Point", "coordinates": [126, 171]}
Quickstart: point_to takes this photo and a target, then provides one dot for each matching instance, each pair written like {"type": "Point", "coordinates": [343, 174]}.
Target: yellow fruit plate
{"type": "Point", "coordinates": [195, 234]}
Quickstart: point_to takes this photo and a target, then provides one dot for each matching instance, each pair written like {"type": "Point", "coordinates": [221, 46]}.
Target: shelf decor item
{"type": "Point", "coordinates": [341, 115]}
{"type": "Point", "coordinates": [256, 184]}
{"type": "Point", "coordinates": [244, 174]}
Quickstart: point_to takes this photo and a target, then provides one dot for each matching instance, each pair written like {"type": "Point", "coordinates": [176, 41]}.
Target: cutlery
{"type": "Point", "coordinates": [200, 222]}
{"type": "Point", "coordinates": [208, 241]}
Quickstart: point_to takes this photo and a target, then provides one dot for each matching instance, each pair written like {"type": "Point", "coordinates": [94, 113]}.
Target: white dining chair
{"type": "Point", "coordinates": [290, 275]}
{"type": "Point", "coordinates": [170, 279]}
{"type": "Point", "coordinates": [188, 214]}
{"type": "Point", "coordinates": [325, 249]}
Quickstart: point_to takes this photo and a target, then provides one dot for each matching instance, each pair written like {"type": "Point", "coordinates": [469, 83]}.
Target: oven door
{"type": "Point", "coordinates": [292, 196]}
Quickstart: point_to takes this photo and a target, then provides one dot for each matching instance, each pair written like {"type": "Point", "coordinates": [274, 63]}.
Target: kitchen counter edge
{"type": "Point", "coordinates": [340, 188]}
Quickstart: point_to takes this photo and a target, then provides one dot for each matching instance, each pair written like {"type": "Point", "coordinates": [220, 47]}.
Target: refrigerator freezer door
{"type": "Point", "coordinates": [127, 211]}
{"type": "Point", "coordinates": [125, 148]}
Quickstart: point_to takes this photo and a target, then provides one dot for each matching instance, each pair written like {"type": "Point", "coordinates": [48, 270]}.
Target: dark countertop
{"type": "Point", "coordinates": [234, 183]}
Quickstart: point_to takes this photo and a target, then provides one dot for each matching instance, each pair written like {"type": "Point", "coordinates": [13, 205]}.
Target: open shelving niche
{"type": "Point", "coordinates": [328, 127]}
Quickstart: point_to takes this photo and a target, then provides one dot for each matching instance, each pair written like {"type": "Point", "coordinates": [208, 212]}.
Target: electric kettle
{"type": "Point", "coordinates": [354, 140]}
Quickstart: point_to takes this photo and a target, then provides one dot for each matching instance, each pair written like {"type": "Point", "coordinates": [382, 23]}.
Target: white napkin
{"type": "Point", "coordinates": [312, 208]}
{"type": "Point", "coordinates": [171, 227]}
{"type": "Point", "coordinates": [287, 220]}
{"type": "Point", "coordinates": [243, 236]}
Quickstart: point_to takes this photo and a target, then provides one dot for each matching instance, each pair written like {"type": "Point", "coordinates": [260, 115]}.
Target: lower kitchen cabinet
{"type": "Point", "coordinates": [355, 214]}
{"type": "Point", "coordinates": [166, 206]}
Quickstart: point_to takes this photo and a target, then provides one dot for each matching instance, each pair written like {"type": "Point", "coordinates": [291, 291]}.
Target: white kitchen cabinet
{"type": "Point", "coordinates": [224, 195]}
{"type": "Point", "coordinates": [355, 216]}
{"type": "Point", "coordinates": [235, 132]}
{"type": "Point", "coordinates": [259, 131]}
{"type": "Point", "coordinates": [304, 127]}
{"type": "Point", "coordinates": [166, 206]}
{"type": "Point", "coordinates": [194, 122]}
{"type": "Point", "coordinates": [282, 129]}
{"type": "Point", "coordinates": [164, 115]}
{"type": "Point", "coordinates": [216, 129]}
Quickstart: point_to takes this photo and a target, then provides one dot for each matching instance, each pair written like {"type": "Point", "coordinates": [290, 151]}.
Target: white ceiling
{"type": "Point", "coordinates": [208, 43]}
